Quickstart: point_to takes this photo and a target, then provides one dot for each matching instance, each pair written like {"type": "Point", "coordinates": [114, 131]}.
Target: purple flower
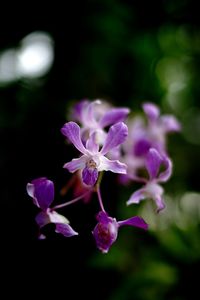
{"type": "Point", "coordinates": [95, 116]}
{"type": "Point", "coordinates": [152, 189]}
{"type": "Point", "coordinates": [93, 161]}
{"type": "Point", "coordinates": [106, 230]}
{"type": "Point", "coordinates": [143, 136]}
{"type": "Point", "coordinates": [41, 191]}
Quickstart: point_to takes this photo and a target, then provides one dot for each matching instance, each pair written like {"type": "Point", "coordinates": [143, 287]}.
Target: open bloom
{"type": "Point", "coordinates": [93, 161]}
{"type": "Point", "coordinates": [41, 190]}
{"type": "Point", "coordinates": [106, 230]}
{"type": "Point", "coordinates": [95, 116]}
{"type": "Point", "coordinates": [145, 135]}
{"type": "Point", "coordinates": [152, 189]}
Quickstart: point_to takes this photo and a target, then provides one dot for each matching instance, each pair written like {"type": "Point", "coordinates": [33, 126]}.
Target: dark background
{"type": "Point", "coordinates": [125, 52]}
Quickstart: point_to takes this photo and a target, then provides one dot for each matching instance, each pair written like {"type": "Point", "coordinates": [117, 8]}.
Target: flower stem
{"type": "Point", "coordinates": [71, 202]}
{"type": "Point", "coordinates": [98, 181]}
{"type": "Point", "coordinates": [100, 198]}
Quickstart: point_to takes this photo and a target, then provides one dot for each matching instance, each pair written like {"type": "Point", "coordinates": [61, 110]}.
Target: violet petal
{"type": "Point", "coordinates": [78, 109]}
{"type": "Point", "coordinates": [159, 203]}
{"type": "Point", "coordinates": [89, 114]}
{"type": "Point", "coordinates": [141, 147]}
{"type": "Point", "coordinates": [151, 110]}
{"type": "Point", "coordinates": [75, 164]}
{"type": "Point", "coordinates": [114, 166]}
{"type": "Point", "coordinates": [113, 116]}
{"type": "Point", "coordinates": [42, 219]}
{"type": "Point", "coordinates": [170, 124]}
{"type": "Point", "coordinates": [153, 162]}
{"type": "Point", "coordinates": [134, 221]}
{"type": "Point", "coordinates": [91, 143]}
{"type": "Point", "coordinates": [116, 136]}
{"type": "Point", "coordinates": [65, 229]}
{"type": "Point", "coordinates": [165, 175]}
{"type": "Point", "coordinates": [72, 131]}
{"type": "Point", "coordinates": [42, 192]}
{"type": "Point", "coordinates": [105, 233]}
{"type": "Point", "coordinates": [137, 196]}
{"type": "Point", "coordinates": [90, 176]}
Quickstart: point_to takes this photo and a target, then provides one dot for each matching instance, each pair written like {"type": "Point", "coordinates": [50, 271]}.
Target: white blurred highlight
{"type": "Point", "coordinates": [35, 56]}
{"type": "Point", "coordinates": [32, 59]}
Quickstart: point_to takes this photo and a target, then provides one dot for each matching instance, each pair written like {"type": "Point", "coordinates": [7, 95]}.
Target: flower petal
{"type": "Point", "coordinates": [165, 175]}
{"type": "Point", "coordinates": [134, 221]}
{"type": "Point", "coordinates": [112, 165]}
{"type": "Point", "coordinates": [72, 131]}
{"type": "Point", "coordinates": [105, 232]}
{"type": "Point", "coordinates": [54, 217]}
{"type": "Point", "coordinates": [90, 176]}
{"type": "Point", "coordinates": [153, 162]}
{"type": "Point", "coordinates": [76, 164]}
{"type": "Point", "coordinates": [62, 226]}
{"type": "Point", "coordinates": [137, 196]}
{"type": "Point", "coordinates": [159, 203]}
{"type": "Point", "coordinates": [116, 136]}
{"type": "Point", "coordinates": [170, 124]}
{"type": "Point", "coordinates": [65, 229]}
{"type": "Point", "coordinates": [89, 114]}
{"type": "Point", "coordinates": [78, 109]}
{"type": "Point", "coordinates": [141, 147]}
{"type": "Point", "coordinates": [113, 116]}
{"type": "Point", "coordinates": [92, 144]}
{"type": "Point", "coordinates": [42, 192]}
{"type": "Point", "coordinates": [42, 219]}
{"type": "Point", "coordinates": [151, 110]}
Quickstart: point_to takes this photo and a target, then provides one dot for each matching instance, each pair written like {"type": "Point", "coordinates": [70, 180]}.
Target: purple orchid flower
{"type": "Point", "coordinates": [95, 116]}
{"type": "Point", "coordinates": [152, 189]}
{"type": "Point", "coordinates": [93, 161]}
{"type": "Point", "coordinates": [106, 231]}
{"type": "Point", "coordinates": [144, 136]}
{"type": "Point", "coordinates": [41, 190]}
{"type": "Point", "coordinates": [159, 126]}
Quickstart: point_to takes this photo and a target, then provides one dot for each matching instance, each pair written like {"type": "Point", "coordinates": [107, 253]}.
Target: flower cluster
{"type": "Point", "coordinates": [106, 141]}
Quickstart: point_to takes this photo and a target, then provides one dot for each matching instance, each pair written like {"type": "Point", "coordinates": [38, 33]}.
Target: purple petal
{"type": "Point", "coordinates": [102, 216]}
{"type": "Point", "coordinates": [170, 124]}
{"type": "Point", "coordinates": [72, 131]}
{"type": "Point", "coordinates": [151, 190]}
{"type": "Point", "coordinates": [165, 175]}
{"type": "Point", "coordinates": [134, 221]}
{"type": "Point", "coordinates": [141, 147]}
{"type": "Point", "coordinates": [137, 196]}
{"type": "Point", "coordinates": [76, 164]}
{"type": "Point", "coordinates": [151, 110]}
{"type": "Point", "coordinates": [78, 110]}
{"type": "Point", "coordinates": [113, 116]}
{"type": "Point", "coordinates": [105, 232]}
{"type": "Point", "coordinates": [153, 162]}
{"type": "Point", "coordinates": [91, 143]}
{"type": "Point", "coordinates": [89, 114]}
{"type": "Point", "coordinates": [41, 236]}
{"type": "Point", "coordinates": [116, 136]}
{"type": "Point", "coordinates": [159, 203]}
{"type": "Point", "coordinates": [42, 219]}
{"type": "Point", "coordinates": [54, 217]}
{"type": "Point", "coordinates": [114, 166]}
{"type": "Point", "coordinates": [65, 230]}
{"type": "Point", "coordinates": [62, 226]}
{"type": "Point", "coordinates": [42, 192]}
{"type": "Point", "coordinates": [90, 176]}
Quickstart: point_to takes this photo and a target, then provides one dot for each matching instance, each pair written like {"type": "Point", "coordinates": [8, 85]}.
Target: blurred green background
{"type": "Point", "coordinates": [125, 52]}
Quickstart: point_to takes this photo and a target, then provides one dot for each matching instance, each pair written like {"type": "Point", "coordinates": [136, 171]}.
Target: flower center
{"type": "Point", "coordinates": [91, 164]}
